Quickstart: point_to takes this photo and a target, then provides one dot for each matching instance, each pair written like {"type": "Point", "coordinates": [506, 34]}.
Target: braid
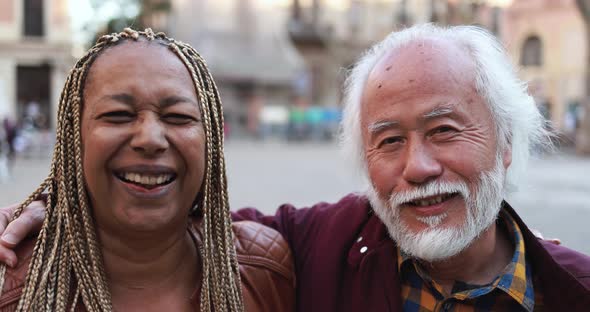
{"type": "Point", "coordinates": [220, 267]}
{"type": "Point", "coordinates": [66, 265]}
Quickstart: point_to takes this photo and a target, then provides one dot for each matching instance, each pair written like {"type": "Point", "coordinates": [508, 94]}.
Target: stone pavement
{"type": "Point", "coordinates": [554, 198]}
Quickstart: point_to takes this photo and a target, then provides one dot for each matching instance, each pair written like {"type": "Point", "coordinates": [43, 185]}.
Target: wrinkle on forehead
{"type": "Point", "coordinates": [124, 44]}
{"type": "Point", "coordinates": [415, 62]}
{"type": "Point", "coordinates": [434, 67]}
{"type": "Point", "coordinates": [135, 54]}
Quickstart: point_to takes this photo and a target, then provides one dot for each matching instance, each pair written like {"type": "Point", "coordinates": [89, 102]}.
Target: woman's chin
{"type": "Point", "coordinates": [148, 220]}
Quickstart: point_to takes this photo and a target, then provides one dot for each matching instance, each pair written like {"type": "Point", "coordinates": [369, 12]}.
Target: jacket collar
{"type": "Point", "coordinates": [549, 268]}
{"type": "Point", "coordinates": [553, 277]}
{"type": "Point", "coordinates": [373, 235]}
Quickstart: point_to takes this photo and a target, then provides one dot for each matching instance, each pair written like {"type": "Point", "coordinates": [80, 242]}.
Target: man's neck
{"type": "Point", "coordinates": [152, 263]}
{"type": "Point", "coordinates": [479, 264]}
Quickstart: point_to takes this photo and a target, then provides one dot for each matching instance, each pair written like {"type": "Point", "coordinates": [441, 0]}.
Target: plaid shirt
{"type": "Point", "coordinates": [512, 290]}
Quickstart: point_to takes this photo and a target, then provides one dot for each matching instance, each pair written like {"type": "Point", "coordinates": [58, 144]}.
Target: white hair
{"type": "Point", "coordinates": [518, 120]}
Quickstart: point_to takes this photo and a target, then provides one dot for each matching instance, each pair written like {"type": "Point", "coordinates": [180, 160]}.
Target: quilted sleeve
{"type": "Point", "coordinates": [266, 268]}
{"type": "Point", "coordinates": [15, 277]}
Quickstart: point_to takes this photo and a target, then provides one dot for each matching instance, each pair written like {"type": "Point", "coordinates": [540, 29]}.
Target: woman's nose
{"type": "Point", "coordinates": [149, 137]}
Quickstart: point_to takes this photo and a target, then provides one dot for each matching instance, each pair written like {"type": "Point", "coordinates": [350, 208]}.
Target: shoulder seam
{"type": "Point", "coordinates": [265, 262]}
{"type": "Point", "coordinates": [11, 296]}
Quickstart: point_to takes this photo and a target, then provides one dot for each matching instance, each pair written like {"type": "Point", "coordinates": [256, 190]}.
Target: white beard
{"type": "Point", "coordinates": [438, 243]}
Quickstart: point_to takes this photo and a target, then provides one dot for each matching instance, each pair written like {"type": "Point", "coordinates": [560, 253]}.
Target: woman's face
{"type": "Point", "coordinates": [143, 140]}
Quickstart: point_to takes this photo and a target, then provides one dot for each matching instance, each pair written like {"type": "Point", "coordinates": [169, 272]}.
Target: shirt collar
{"type": "Point", "coordinates": [515, 280]}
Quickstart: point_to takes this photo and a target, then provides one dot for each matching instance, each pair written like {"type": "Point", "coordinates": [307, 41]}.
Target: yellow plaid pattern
{"type": "Point", "coordinates": [512, 290]}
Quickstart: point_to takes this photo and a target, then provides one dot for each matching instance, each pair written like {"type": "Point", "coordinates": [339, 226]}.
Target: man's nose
{"type": "Point", "coordinates": [421, 165]}
{"type": "Point", "coordinates": [149, 136]}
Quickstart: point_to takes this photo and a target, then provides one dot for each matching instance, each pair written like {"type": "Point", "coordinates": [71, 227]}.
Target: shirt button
{"type": "Point", "coordinates": [364, 249]}
{"type": "Point", "coordinates": [358, 240]}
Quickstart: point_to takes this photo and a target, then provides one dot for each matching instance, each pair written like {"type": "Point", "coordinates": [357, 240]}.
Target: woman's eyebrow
{"type": "Point", "coordinates": [175, 99]}
{"type": "Point", "coordinates": [128, 99]}
{"type": "Point", "coordinates": [123, 98]}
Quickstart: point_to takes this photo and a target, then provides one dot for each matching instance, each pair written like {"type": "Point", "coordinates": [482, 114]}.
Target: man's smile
{"type": "Point", "coordinates": [431, 200]}
{"type": "Point", "coordinates": [432, 205]}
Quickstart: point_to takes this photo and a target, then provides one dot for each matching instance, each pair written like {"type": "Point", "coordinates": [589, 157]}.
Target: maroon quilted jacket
{"type": "Point", "coordinates": [334, 275]}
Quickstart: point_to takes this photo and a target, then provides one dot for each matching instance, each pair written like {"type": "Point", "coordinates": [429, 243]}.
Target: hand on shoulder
{"type": "Point", "coordinates": [13, 232]}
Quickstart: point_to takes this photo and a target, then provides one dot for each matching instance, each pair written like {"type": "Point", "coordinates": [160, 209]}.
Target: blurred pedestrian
{"type": "Point", "coordinates": [297, 126]}
{"type": "Point", "coordinates": [4, 148]}
{"type": "Point", "coordinates": [32, 113]}
{"type": "Point", "coordinates": [10, 128]}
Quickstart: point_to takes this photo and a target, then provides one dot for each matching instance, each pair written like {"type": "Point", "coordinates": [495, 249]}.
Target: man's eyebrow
{"type": "Point", "coordinates": [379, 126]}
{"type": "Point", "coordinates": [175, 99]}
{"type": "Point", "coordinates": [382, 125]}
{"type": "Point", "coordinates": [442, 110]}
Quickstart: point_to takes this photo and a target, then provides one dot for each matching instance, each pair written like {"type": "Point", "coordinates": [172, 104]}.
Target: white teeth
{"type": "Point", "coordinates": [429, 202]}
{"type": "Point", "coordinates": [436, 200]}
{"type": "Point", "coordinates": [129, 176]}
{"type": "Point", "coordinates": [146, 179]}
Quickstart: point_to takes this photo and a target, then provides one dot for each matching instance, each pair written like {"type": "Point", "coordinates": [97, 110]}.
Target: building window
{"type": "Point", "coordinates": [532, 52]}
{"type": "Point", "coordinates": [34, 95]}
{"type": "Point", "coordinates": [33, 18]}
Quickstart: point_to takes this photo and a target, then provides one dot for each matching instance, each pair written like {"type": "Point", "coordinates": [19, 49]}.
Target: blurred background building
{"type": "Point", "coordinates": [546, 39]}
{"type": "Point", "coordinates": [280, 64]}
{"type": "Point", "coordinates": [255, 65]}
{"type": "Point", "coordinates": [35, 57]}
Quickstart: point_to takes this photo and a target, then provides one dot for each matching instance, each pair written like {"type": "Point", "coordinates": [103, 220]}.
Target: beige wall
{"type": "Point", "coordinates": [11, 16]}
{"type": "Point", "coordinates": [560, 27]}
{"type": "Point", "coordinates": [7, 87]}
{"type": "Point", "coordinates": [56, 20]}
{"type": "Point", "coordinates": [54, 48]}
{"type": "Point", "coordinates": [6, 11]}
{"type": "Point", "coordinates": [59, 29]}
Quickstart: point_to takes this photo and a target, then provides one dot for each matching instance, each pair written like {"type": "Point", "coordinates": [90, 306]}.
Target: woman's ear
{"type": "Point", "coordinates": [196, 209]}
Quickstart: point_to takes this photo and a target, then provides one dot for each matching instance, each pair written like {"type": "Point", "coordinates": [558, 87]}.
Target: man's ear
{"type": "Point", "coordinates": [507, 155]}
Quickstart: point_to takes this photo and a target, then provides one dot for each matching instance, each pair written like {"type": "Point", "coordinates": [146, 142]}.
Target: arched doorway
{"type": "Point", "coordinates": [532, 52]}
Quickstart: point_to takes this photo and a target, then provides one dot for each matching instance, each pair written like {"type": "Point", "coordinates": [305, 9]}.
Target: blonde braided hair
{"type": "Point", "coordinates": [66, 264]}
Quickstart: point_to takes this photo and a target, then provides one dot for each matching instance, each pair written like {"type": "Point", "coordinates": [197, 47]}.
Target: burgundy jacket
{"type": "Point", "coordinates": [334, 275]}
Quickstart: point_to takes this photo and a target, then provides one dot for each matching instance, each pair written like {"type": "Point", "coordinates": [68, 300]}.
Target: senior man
{"type": "Point", "coordinates": [441, 128]}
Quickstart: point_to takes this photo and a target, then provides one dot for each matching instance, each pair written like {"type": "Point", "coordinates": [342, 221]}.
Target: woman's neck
{"type": "Point", "coordinates": [142, 267]}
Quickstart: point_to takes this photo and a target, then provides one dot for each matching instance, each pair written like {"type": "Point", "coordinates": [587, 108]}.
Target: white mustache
{"type": "Point", "coordinates": [433, 188]}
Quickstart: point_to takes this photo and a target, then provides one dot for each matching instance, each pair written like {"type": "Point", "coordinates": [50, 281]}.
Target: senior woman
{"type": "Point", "coordinates": [137, 210]}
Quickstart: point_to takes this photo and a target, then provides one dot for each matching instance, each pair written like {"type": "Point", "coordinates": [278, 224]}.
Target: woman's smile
{"type": "Point", "coordinates": [146, 181]}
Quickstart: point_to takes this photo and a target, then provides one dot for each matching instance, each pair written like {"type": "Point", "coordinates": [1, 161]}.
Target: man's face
{"type": "Point", "coordinates": [431, 149]}
{"type": "Point", "coordinates": [143, 141]}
